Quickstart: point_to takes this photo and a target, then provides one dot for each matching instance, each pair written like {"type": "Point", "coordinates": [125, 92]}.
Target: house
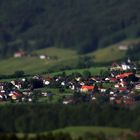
{"type": "Point", "coordinates": [128, 65]}
{"type": "Point", "coordinates": [93, 98]}
{"type": "Point", "coordinates": [137, 86]}
{"type": "Point", "coordinates": [42, 56]}
{"type": "Point", "coordinates": [125, 66]}
{"type": "Point", "coordinates": [17, 84]}
{"type": "Point", "coordinates": [45, 94]}
{"type": "Point", "coordinates": [103, 90]}
{"type": "Point", "coordinates": [124, 75]}
{"type": "Point", "coordinates": [117, 85]}
{"type": "Point", "coordinates": [122, 90]}
{"type": "Point", "coordinates": [63, 83]}
{"type": "Point", "coordinates": [123, 47]}
{"type": "Point", "coordinates": [121, 84]}
{"type": "Point", "coordinates": [111, 92]}
{"type": "Point", "coordinates": [115, 67]}
{"type": "Point", "coordinates": [118, 100]}
{"type": "Point", "coordinates": [78, 79]}
{"type": "Point", "coordinates": [14, 95]}
{"type": "Point", "coordinates": [112, 98]}
{"type": "Point", "coordinates": [112, 80]}
{"type": "Point", "coordinates": [67, 101]}
{"type": "Point", "coordinates": [30, 99]}
{"type": "Point", "coordinates": [1, 85]}
{"type": "Point", "coordinates": [3, 96]}
{"type": "Point", "coordinates": [128, 101]}
{"type": "Point", "coordinates": [19, 54]}
{"type": "Point", "coordinates": [46, 82]}
{"type": "Point", "coordinates": [86, 88]}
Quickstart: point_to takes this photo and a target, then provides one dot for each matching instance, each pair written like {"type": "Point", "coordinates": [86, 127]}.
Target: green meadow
{"type": "Point", "coordinates": [81, 130]}
{"type": "Point", "coordinates": [62, 58]}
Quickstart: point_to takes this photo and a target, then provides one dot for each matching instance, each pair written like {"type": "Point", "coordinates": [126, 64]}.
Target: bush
{"type": "Point", "coordinates": [86, 74]}
{"type": "Point", "coordinates": [19, 74]}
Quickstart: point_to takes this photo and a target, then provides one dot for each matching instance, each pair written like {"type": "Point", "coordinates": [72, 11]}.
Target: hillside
{"type": "Point", "coordinates": [76, 24]}
{"type": "Point", "coordinates": [65, 59]}
{"type": "Point", "coordinates": [81, 131]}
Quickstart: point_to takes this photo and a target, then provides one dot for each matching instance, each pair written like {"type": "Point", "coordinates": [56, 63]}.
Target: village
{"type": "Point", "coordinates": [120, 86]}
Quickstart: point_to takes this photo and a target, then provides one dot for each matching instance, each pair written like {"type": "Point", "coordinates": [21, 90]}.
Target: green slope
{"type": "Point", "coordinates": [61, 53]}
{"type": "Point", "coordinates": [112, 52]}
{"type": "Point", "coordinates": [80, 131]}
{"type": "Point", "coordinates": [64, 57]}
{"type": "Point", "coordinates": [108, 54]}
{"type": "Point", "coordinates": [36, 65]}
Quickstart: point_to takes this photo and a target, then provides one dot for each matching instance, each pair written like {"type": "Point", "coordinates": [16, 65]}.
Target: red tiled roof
{"type": "Point", "coordinates": [87, 87]}
{"type": "Point", "coordinates": [121, 76]}
{"type": "Point", "coordinates": [122, 89]}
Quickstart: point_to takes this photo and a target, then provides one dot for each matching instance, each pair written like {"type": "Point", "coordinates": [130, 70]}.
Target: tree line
{"type": "Point", "coordinates": [29, 118]}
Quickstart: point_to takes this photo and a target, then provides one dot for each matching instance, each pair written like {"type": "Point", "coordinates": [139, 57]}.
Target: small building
{"type": "Point", "coordinates": [42, 57]}
{"type": "Point", "coordinates": [137, 87]}
{"type": "Point", "coordinates": [86, 88]}
{"type": "Point", "coordinates": [123, 47]}
{"type": "Point", "coordinates": [124, 75]}
{"type": "Point", "coordinates": [19, 54]}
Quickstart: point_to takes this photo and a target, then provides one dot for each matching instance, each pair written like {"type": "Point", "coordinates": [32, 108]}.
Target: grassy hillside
{"type": "Point", "coordinates": [112, 52]}
{"type": "Point", "coordinates": [64, 58]}
{"type": "Point", "coordinates": [80, 131]}
{"type": "Point", "coordinates": [61, 53]}
{"type": "Point", "coordinates": [36, 65]}
{"type": "Point", "coordinates": [92, 70]}
{"type": "Point", "coordinates": [108, 54]}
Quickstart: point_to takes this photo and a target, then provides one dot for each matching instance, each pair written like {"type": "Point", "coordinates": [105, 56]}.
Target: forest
{"type": "Point", "coordinates": [83, 25]}
{"type": "Point", "coordinates": [28, 118]}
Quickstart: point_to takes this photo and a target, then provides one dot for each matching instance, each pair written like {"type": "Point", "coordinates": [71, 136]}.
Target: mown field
{"type": "Point", "coordinates": [63, 58]}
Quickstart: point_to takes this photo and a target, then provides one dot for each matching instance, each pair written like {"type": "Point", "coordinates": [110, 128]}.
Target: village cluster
{"type": "Point", "coordinates": [121, 85]}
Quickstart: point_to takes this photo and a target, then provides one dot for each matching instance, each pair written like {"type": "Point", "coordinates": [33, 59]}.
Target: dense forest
{"type": "Point", "coordinates": [84, 25]}
{"type": "Point", "coordinates": [30, 118]}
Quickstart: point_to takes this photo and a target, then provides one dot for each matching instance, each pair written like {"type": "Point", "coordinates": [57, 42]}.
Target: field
{"type": "Point", "coordinates": [92, 70]}
{"type": "Point", "coordinates": [63, 58]}
{"type": "Point", "coordinates": [36, 65]}
{"type": "Point", "coordinates": [112, 52]}
{"type": "Point", "coordinates": [108, 54]}
{"type": "Point", "coordinates": [80, 131]}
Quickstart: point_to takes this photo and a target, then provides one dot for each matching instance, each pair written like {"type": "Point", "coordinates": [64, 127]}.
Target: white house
{"type": "Point", "coordinates": [123, 48]}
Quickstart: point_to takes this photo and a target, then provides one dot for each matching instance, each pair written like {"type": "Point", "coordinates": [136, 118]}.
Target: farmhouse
{"type": "Point", "coordinates": [19, 54]}
{"type": "Point", "coordinates": [123, 47]}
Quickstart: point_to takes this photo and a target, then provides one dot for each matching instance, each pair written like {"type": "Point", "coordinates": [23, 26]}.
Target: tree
{"type": "Point", "coordinates": [19, 74]}
{"type": "Point", "coordinates": [86, 74]}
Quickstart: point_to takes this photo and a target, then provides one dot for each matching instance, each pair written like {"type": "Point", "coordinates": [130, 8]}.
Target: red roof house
{"type": "Point", "coordinates": [87, 88]}
{"type": "Point", "coordinates": [124, 75]}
